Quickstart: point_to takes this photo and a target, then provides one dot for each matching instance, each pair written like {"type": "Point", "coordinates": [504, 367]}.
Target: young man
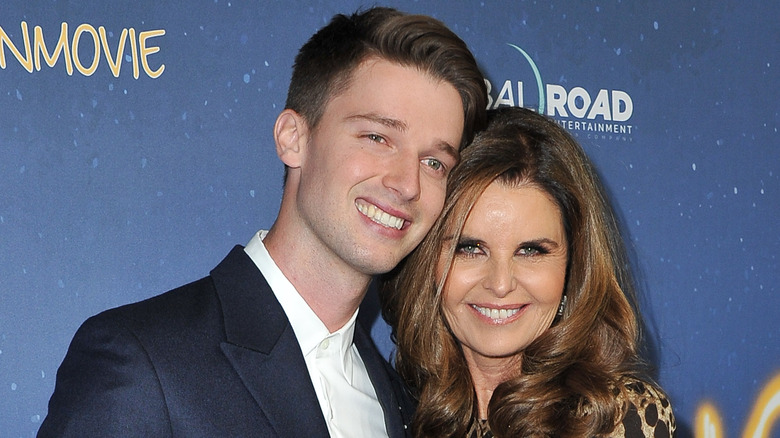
{"type": "Point", "coordinates": [379, 105]}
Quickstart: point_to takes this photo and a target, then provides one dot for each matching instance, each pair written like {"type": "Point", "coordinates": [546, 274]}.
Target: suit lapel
{"type": "Point", "coordinates": [384, 383]}
{"type": "Point", "coordinates": [262, 348]}
{"type": "Point", "coordinates": [282, 389]}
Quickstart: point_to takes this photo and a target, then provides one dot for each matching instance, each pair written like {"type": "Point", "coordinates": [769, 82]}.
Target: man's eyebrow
{"type": "Point", "coordinates": [382, 120]}
{"type": "Point", "coordinates": [401, 126]}
{"type": "Point", "coordinates": [449, 150]}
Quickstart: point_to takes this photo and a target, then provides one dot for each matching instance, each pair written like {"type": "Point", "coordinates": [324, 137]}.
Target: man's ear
{"type": "Point", "coordinates": [290, 135]}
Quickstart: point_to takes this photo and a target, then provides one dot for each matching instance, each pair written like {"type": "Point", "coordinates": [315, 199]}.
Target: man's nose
{"type": "Point", "coordinates": [403, 177]}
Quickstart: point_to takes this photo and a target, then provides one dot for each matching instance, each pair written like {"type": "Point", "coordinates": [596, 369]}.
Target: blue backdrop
{"type": "Point", "coordinates": [124, 176]}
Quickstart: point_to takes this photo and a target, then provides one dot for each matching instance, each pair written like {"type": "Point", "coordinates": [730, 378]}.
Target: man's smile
{"type": "Point", "coordinates": [379, 216]}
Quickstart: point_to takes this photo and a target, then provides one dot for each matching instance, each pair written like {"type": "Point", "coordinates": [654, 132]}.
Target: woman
{"type": "Point", "coordinates": [514, 317]}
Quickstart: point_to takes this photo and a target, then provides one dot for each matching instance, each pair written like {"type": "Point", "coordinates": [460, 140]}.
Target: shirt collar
{"type": "Point", "coordinates": [308, 328]}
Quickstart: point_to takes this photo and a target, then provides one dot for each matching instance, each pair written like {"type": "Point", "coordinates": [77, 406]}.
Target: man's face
{"type": "Point", "coordinates": [374, 170]}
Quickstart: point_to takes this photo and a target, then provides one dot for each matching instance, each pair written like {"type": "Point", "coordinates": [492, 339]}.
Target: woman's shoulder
{"type": "Point", "coordinates": [648, 414]}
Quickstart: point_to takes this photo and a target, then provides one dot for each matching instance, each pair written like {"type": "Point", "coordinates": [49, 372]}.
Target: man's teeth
{"type": "Point", "coordinates": [496, 314]}
{"type": "Point", "coordinates": [380, 217]}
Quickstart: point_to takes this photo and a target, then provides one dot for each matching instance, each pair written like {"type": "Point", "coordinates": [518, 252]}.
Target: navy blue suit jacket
{"type": "Point", "coordinates": [214, 358]}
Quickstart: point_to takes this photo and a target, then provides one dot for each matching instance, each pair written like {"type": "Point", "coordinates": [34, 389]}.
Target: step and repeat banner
{"type": "Point", "coordinates": [136, 150]}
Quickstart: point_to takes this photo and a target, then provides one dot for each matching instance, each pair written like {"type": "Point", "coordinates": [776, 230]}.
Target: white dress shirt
{"type": "Point", "coordinates": [347, 398]}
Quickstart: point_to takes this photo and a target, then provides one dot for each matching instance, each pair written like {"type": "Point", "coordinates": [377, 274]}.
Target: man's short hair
{"type": "Point", "coordinates": [325, 65]}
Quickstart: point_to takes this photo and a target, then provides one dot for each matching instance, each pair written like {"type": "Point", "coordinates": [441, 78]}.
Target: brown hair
{"type": "Point", "coordinates": [568, 376]}
{"type": "Point", "coordinates": [324, 65]}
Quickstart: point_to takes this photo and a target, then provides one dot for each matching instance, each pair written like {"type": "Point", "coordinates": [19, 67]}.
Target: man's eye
{"type": "Point", "coordinates": [433, 163]}
{"type": "Point", "coordinates": [376, 138]}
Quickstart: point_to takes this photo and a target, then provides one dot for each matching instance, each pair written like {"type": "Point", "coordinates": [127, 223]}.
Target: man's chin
{"type": "Point", "coordinates": [378, 265]}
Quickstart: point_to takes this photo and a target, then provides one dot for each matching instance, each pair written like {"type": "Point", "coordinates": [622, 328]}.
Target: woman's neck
{"type": "Point", "coordinates": [489, 372]}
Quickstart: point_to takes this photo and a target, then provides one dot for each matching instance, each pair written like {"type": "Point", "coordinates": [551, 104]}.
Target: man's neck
{"type": "Point", "coordinates": [333, 291]}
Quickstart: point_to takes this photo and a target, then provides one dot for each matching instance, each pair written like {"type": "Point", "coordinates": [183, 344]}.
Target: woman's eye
{"type": "Point", "coordinates": [468, 248]}
{"type": "Point", "coordinates": [532, 250]}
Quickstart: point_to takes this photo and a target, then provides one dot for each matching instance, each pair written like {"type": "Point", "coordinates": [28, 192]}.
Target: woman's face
{"type": "Point", "coordinates": [508, 274]}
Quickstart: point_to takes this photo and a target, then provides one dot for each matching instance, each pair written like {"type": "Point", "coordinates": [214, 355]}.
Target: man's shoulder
{"type": "Point", "coordinates": [178, 311]}
{"type": "Point", "coordinates": [183, 305]}
{"type": "Point", "coordinates": [177, 301]}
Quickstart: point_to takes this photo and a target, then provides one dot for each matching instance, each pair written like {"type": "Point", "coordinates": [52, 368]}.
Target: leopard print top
{"type": "Point", "coordinates": [649, 415]}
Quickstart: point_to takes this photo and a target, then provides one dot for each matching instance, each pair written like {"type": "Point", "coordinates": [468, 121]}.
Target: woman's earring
{"type": "Point", "coordinates": [562, 307]}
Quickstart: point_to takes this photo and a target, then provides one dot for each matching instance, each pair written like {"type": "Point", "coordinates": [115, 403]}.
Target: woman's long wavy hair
{"type": "Point", "coordinates": [568, 384]}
